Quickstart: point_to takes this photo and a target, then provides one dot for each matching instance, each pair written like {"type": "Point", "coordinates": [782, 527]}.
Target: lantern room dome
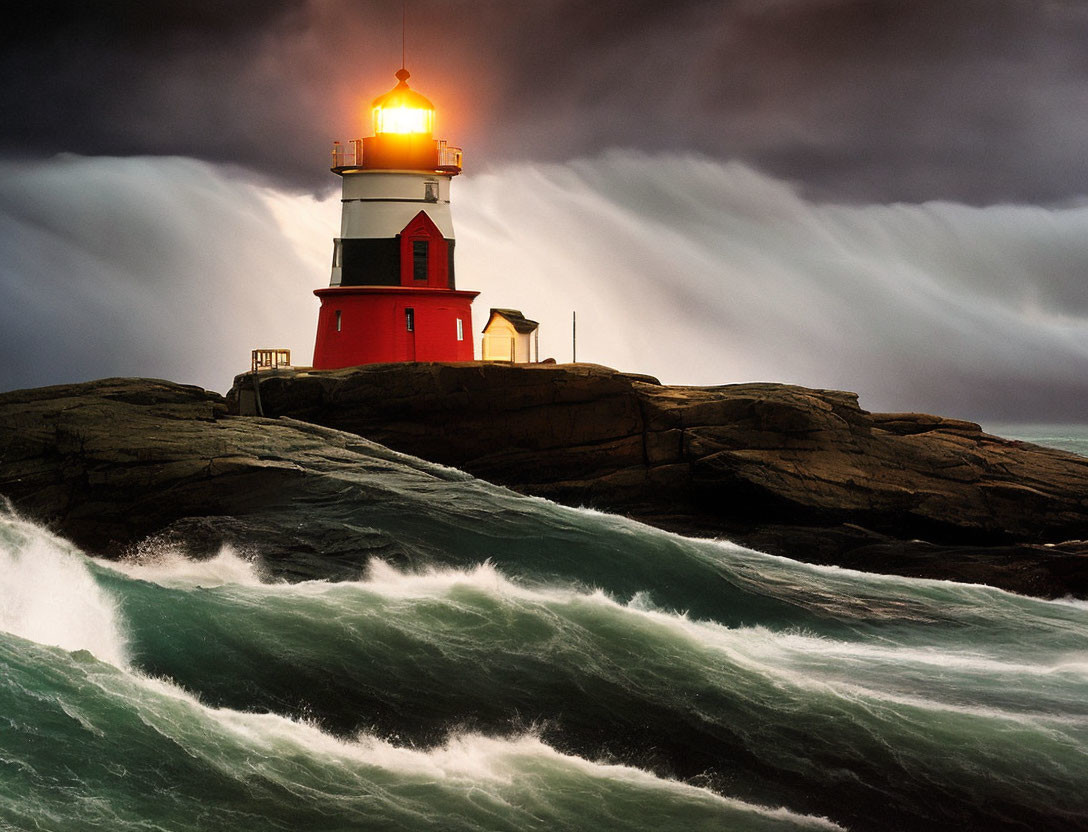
{"type": "Point", "coordinates": [402, 109]}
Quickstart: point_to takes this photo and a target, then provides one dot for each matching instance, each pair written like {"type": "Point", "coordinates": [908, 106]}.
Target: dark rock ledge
{"type": "Point", "coordinates": [799, 472]}
{"type": "Point", "coordinates": [784, 469]}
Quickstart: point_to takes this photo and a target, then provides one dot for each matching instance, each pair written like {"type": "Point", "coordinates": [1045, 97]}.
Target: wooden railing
{"type": "Point", "coordinates": [270, 359]}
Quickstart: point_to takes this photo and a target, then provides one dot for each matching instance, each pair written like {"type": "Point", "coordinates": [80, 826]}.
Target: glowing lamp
{"type": "Point", "coordinates": [402, 110]}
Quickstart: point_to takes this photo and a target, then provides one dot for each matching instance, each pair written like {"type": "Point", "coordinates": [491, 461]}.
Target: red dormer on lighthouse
{"type": "Point", "coordinates": [392, 296]}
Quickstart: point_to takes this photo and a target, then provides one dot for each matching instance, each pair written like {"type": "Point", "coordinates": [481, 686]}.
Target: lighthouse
{"type": "Point", "coordinates": [392, 296]}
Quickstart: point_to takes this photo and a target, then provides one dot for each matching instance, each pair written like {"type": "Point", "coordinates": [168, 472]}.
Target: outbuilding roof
{"type": "Point", "coordinates": [514, 318]}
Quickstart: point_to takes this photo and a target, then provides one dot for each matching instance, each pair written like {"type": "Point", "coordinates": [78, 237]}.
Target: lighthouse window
{"type": "Point", "coordinates": [337, 253]}
{"type": "Point", "coordinates": [430, 192]}
{"type": "Point", "coordinates": [460, 330]}
{"type": "Point", "coordinates": [339, 321]}
{"type": "Point", "coordinates": [410, 319]}
{"type": "Point", "coordinates": [420, 253]}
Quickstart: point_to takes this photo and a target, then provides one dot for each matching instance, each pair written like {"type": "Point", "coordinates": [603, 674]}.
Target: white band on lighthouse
{"type": "Point", "coordinates": [380, 204]}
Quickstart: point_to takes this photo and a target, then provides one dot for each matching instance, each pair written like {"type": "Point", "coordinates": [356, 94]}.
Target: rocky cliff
{"type": "Point", "coordinates": [803, 473]}
{"type": "Point", "coordinates": [113, 464]}
{"type": "Point", "coordinates": [799, 472]}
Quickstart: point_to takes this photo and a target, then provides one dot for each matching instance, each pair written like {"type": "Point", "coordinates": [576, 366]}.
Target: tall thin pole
{"type": "Point", "coordinates": [403, 34]}
{"type": "Point", "coordinates": [574, 337]}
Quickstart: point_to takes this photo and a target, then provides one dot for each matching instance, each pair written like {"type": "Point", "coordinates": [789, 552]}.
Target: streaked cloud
{"type": "Point", "coordinates": [693, 269]}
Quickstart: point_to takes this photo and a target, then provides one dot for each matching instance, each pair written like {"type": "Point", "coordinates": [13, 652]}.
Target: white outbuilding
{"type": "Point", "coordinates": [510, 336]}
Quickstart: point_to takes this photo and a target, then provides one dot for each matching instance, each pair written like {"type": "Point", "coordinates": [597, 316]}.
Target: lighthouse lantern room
{"type": "Point", "coordinates": [393, 296]}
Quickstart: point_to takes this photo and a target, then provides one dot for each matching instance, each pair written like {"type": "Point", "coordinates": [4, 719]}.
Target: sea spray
{"type": "Point", "coordinates": [48, 595]}
{"type": "Point", "coordinates": [169, 565]}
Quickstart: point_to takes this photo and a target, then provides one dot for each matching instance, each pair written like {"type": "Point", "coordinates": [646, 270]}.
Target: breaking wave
{"type": "Point", "coordinates": [486, 696]}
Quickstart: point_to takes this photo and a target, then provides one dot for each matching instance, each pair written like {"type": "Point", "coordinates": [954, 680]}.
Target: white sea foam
{"type": "Point", "coordinates": [48, 595]}
{"type": "Point", "coordinates": [851, 670]}
{"type": "Point", "coordinates": [497, 767]}
{"type": "Point", "coordinates": [169, 566]}
{"type": "Point", "coordinates": [1070, 601]}
{"type": "Point", "coordinates": [815, 583]}
{"type": "Point", "coordinates": [1069, 663]}
{"type": "Point", "coordinates": [390, 581]}
{"type": "Point", "coordinates": [808, 662]}
{"type": "Point", "coordinates": [774, 653]}
{"type": "Point", "coordinates": [51, 597]}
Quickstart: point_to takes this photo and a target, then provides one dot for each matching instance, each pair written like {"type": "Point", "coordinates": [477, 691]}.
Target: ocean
{"type": "Point", "coordinates": [483, 661]}
{"type": "Point", "coordinates": [1064, 437]}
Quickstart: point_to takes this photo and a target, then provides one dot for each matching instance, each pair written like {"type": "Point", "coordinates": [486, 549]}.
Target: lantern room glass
{"type": "Point", "coordinates": [403, 120]}
{"type": "Point", "coordinates": [402, 110]}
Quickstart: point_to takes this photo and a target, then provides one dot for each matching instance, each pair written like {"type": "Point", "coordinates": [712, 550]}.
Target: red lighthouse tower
{"type": "Point", "coordinates": [392, 296]}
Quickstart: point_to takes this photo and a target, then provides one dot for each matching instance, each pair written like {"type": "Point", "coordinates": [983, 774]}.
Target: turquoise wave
{"type": "Point", "coordinates": [547, 687]}
{"type": "Point", "coordinates": [88, 746]}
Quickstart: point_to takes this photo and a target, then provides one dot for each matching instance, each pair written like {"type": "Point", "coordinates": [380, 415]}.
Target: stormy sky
{"type": "Point", "coordinates": [874, 100]}
{"type": "Point", "coordinates": [888, 193]}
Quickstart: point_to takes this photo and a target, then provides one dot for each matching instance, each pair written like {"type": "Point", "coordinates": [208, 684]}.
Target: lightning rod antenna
{"type": "Point", "coordinates": [403, 33]}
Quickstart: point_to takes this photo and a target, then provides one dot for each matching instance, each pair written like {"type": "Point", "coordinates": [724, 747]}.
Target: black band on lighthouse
{"type": "Point", "coordinates": [370, 262]}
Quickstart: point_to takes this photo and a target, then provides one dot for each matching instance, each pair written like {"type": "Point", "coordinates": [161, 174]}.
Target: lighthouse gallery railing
{"type": "Point", "coordinates": [350, 155]}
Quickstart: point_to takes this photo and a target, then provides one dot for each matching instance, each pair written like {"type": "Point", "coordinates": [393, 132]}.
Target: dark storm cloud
{"type": "Point", "coordinates": [876, 99]}
{"type": "Point", "coordinates": [152, 78]}
{"type": "Point", "coordinates": [977, 100]}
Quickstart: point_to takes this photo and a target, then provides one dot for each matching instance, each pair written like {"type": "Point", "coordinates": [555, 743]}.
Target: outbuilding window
{"type": "Point", "coordinates": [460, 330]}
{"type": "Point", "coordinates": [339, 320]}
{"type": "Point", "coordinates": [410, 319]}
